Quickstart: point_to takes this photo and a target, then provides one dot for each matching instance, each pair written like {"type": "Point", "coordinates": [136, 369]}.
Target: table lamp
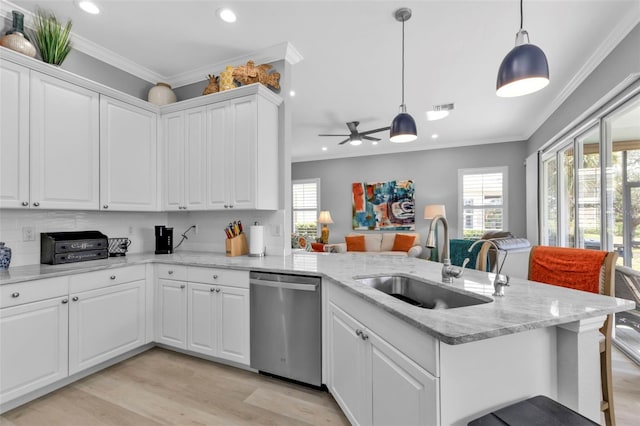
{"type": "Point", "coordinates": [324, 219]}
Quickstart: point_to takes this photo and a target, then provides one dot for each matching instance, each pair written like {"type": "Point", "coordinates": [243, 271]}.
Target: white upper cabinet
{"type": "Point", "coordinates": [14, 135]}
{"type": "Point", "coordinates": [64, 133]}
{"type": "Point", "coordinates": [128, 170]}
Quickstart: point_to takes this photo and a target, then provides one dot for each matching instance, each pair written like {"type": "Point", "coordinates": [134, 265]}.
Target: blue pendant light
{"type": "Point", "coordinates": [403, 127]}
{"type": "Point", "coordinates": [524, 70]}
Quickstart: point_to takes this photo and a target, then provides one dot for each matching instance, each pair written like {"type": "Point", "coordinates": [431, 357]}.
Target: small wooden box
{"type": "Point", "coordinates": [236, 246]}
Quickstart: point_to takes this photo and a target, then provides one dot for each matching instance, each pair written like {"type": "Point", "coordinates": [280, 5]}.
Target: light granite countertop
{"type": "Point", "coordinates": [527, 305]}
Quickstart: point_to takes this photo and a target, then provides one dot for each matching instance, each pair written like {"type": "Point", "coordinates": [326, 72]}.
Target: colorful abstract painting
{"type": "Point", "coordinates": [384, 206]}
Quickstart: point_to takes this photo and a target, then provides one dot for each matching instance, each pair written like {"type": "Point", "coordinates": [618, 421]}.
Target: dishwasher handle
{"type": "Point", "coordinates": [285, 285]}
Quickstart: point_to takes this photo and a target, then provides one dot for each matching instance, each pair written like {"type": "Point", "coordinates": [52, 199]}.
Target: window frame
{"type": "Point", "coordinates": [318, 207]}
{"type": "Point", "coordinates": [504, 170]}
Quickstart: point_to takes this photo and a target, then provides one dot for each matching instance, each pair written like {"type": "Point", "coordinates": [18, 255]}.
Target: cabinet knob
{"type": "Point", "coordinates": [106, 206]}
{"type": "Point", "coordinates": [182, 286]}
{"type": "Point", "coordinates": [74, 298]}
{"type": "Point", "coordinates": [217, 290]}
{"type": "Point", "coordinates": [25, 203]}
{"type": "Point", "coordinates": [212, 289]}
{"type": "Point", "coordinates": [226, 206]}
{"type": "Point", "coordinates": [358, 332]}
{"type": "Point", "coordinates": [36, 204]}
{"type": "Point", "coordinates": [170, 272]}
{"type": "Point", "coordinates": [113, 277]}
{"type": "Point", "coordinates": [65, 301]}
{"type": "Point", "coordinates": [16, 294]}
{"type": "Point", "coordinates": [230, 206]}
{"type": "Point", "coordinates": [364, 336]}
{"type": "Point", "coordinates": [215, 276]}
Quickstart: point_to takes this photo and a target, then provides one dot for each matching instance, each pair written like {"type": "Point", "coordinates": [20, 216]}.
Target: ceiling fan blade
{"type": "Point", "coordinates": [369, 138]}
{"type": "Point", "coordinates": [381, 129]}
{"type": "Point", "coordinates": [353, 126]}
{"type": "Point", "coordinates": [344, 141]}
{"type": "Point", "coordinates": [325, 134]}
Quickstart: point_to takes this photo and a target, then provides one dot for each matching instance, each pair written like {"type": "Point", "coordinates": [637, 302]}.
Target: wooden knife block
{"type": "Point", "coordinates": [236, 246]}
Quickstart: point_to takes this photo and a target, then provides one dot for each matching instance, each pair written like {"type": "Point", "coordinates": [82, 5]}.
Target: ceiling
{"type": "Point", "coordinates": [351, 67]}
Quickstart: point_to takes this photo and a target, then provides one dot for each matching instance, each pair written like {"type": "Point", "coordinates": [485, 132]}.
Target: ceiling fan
{"type": "Point", "coordinates": [355, 137]}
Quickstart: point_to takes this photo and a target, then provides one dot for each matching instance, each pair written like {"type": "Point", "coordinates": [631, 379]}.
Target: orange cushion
{"type": "Point", "coordinates": [317, 247]}
{"type": "Point", "coordinates": [403, 242]}
{"type": "Point", "coordinates": [567, 267]}
{"type": "Point", "coordinates": [355, 242]}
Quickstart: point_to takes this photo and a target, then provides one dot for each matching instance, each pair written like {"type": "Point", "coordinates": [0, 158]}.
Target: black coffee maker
{"type": "Point", "coordinates": [164, 240]}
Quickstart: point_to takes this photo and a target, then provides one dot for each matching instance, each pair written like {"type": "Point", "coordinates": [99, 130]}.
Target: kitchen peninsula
{"type": "Point", "coordinates": [435, 366]}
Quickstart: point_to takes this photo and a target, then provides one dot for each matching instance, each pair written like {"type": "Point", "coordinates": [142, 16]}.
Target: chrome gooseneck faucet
{"type": "Point", "coordinates": [449, 272]}
{"type": "Point", "coordinates": [500, 281]}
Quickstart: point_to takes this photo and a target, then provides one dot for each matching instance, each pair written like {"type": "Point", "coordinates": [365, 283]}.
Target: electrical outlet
{"type": "Point", "coordinates": [28, 233]}
{"type": "Point", "coordinates": [131, 230]}
{"type": "Point", "coordinates": [275, 230]}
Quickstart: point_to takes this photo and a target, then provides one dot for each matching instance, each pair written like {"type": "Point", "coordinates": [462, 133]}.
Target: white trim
{"type": "Point", "coordinates": [614, 38]}
{"type": "Point", "coordinates": [318, 198]}
{"type": "Point", "coordinates": [505, 194]}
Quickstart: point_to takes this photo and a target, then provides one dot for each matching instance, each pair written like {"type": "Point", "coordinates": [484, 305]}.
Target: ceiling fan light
{"type": "Point", "coordinates": [403, 129]}
{"type": "Point", "coordinates": [355, 142]}
{"type": "Point", "coordinates": [524, 70]}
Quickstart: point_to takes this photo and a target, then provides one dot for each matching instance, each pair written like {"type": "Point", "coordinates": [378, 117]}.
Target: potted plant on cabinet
{"type": "Point", "coordinates": [53, 40]}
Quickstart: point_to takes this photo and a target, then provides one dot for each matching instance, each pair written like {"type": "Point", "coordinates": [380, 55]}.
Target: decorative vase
{"type": "Point", "coordinates": [5, 256]}
{"type": "Point", "coordinates": [226, 79]}
{"type": "Point", "coordinates": [15, 39]}
{"type": "Point", "coordinates": [161, 94]}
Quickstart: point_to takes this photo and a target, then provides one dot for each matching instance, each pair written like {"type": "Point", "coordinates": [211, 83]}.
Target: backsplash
{"type": "Point", "coordinates": [211, 236]}
{"type": "Point", "coordinates": [138, 227]}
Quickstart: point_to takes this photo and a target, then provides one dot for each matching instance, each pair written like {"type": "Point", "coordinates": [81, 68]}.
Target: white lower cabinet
{"type": "Point", "coordinates": [105, 323]}
{"type": "Point", "coordinates": [372, 381]}
{"type": "Point", "coordinates": [34, 346]}
{"type": "Point", "coordinates": [204, 316]}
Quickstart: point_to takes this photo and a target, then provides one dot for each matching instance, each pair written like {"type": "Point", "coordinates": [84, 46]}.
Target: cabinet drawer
{"type": "Point", "coordinates": [171, 272]}
{"type": "Point", "coordinates": [32, 291]}
{"type": "Point", "coordinates": [105, 278]}
{"type": "Point", "coordinates": [228, 277]}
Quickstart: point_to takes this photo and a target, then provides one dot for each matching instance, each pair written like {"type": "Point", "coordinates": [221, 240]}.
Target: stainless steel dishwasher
{"type": "Point", "coordinates": [286, 326]}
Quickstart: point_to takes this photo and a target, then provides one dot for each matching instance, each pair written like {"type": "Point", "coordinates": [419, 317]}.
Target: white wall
{"type": "Point", "coordinates": [138, 227]}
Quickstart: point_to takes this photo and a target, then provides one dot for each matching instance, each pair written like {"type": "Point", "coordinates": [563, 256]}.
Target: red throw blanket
{"type": "Point", "coordinates": [567, 267]}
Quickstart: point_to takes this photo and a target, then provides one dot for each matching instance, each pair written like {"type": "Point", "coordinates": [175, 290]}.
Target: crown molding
{"type": "Point", "coordinates": [623, 28]}
{"type": "Point", "coordinates": [282, 51]}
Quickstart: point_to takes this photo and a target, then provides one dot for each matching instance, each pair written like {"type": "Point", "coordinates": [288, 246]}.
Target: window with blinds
{"type": "Point", "coordinates": [306, 207]}
{"type": "Point", "coordinates": [483, 201]}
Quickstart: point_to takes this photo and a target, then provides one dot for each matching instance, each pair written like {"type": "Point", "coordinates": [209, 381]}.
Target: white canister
{"type": "Point", "coordinates": [161, 94]}
{"type": "Point", "coordinates": [256, 240]}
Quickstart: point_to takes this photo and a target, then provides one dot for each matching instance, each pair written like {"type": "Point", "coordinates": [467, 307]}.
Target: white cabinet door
{"type": "Point", "coordinates": [104, 323]}
{"type": "Point", "coordinates": [348, 366]}
{"type": "Point", "coordinates": [202, 313]}
{"type": "Point", "coordinates": [403, 393]}
{"type": "Point", "coordinates": [127, 157]}
{"type": "Point", "coordinates": [233, 324]}
{"type": "Point", "coordinates": [219, 163]}
{"type": "Point", "coordinates": [171, 313]}
{"type": "Point", "coordinates": [173, 161]}
{"type": "Point", "coordinates": [14, 136]}
{"type": "Point", "coordinates": [242, 152]}
{"type": "Point", "coordinates": [34, 349]}
{"type": "Point", "coordinates": [64, 148]}
{"type": "Point", "coordinates": [195, 155]}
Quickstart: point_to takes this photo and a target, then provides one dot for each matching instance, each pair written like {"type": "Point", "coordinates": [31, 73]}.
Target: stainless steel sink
{"type": "Point", "coordinates": [422, 293]}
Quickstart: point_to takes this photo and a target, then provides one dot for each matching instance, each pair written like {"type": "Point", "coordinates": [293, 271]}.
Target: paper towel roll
{"type": "Point", "coordinates": [256, 240]}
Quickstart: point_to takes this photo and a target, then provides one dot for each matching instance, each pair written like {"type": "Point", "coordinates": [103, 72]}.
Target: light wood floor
{"type": "Point", "coordinates": [161, 387]}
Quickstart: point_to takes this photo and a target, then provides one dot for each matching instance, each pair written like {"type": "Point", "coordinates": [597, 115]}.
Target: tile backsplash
{"type": "Point", "coordinates": [137, 226]}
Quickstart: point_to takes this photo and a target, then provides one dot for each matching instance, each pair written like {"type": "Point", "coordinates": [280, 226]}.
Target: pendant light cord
{"type": "Point", "coordinates": [403, 62]}
{"type": "Point", "coordinates": [521, 15]}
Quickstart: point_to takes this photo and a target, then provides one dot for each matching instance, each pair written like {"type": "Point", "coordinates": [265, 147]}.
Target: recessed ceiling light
{"type": "Point", "coordinates": [89, 7]}
{"type": "Point", "coordinates": [439, 112]}
{"type": "Point", "coordinates": [324, 148]}
{"type": "Point", "coordinates": [292, 93]}
{"type": "Point", "coordinates": [374, 143]}
{"type": "Point", "coordinates": [227, 15]}
{"type": "Point", "coordinates": [434, 136]}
